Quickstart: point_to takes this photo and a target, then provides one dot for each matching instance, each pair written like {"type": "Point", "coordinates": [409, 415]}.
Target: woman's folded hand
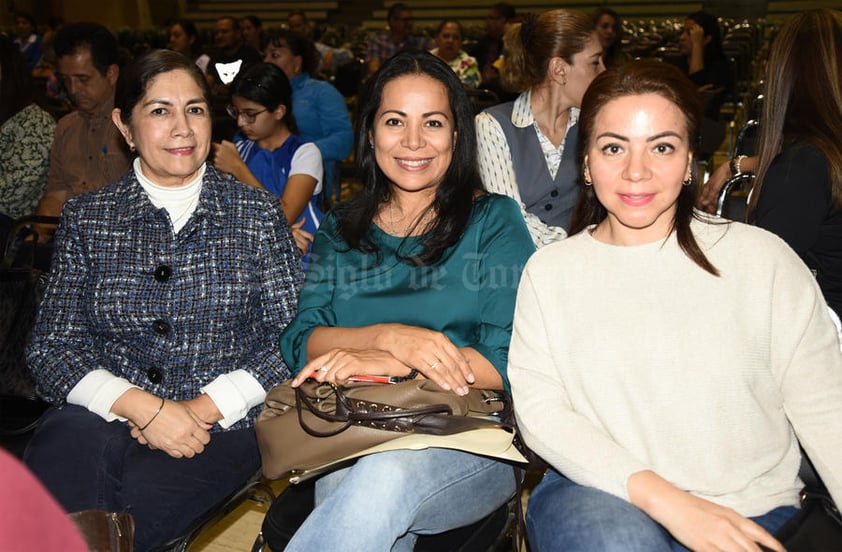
{"type": "Point", "coordinates": [175, 430]}
{"type": "Point", "coordinates": [430, 352]}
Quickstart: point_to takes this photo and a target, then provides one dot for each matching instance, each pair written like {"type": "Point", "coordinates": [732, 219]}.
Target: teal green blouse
{"type": "Point", "coordinates": [469, 295]}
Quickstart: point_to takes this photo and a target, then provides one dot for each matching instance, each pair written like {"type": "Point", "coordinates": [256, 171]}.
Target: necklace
{"type": "Point", "coordinates": [393, 223]}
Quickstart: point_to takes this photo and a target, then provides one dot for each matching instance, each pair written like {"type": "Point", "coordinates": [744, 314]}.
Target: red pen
{"type": "Point", "coordinates": [366, 378]}
{"type": "Point", "coordinates": [374, 379]}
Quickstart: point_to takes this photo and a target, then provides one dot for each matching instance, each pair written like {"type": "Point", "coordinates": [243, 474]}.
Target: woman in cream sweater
{"type": "Point", "coordinates": [667, 366]}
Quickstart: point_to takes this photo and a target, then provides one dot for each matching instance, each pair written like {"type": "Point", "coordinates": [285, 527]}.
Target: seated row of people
{"type": "Point", "coordinates": [172, 289]}
{"type": "Point", "coordinates": [85, 151]}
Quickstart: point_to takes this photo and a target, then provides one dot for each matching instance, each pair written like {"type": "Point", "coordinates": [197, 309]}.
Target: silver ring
{"type": "Point", "coordinates": [434, 365]}
{"type": "Point", "coordinates": [323, 369]}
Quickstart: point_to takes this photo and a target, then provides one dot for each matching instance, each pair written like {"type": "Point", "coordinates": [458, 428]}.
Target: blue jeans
{"type": "Point", "coordinates": [385, 500]}
{"type": "Point", "coordinates": [87, 462]}
{"type": "Point", "coordinates": [563, 515]}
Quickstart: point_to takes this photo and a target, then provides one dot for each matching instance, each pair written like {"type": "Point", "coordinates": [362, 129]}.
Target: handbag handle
{"type": "Point", "coordinates": [356, 411]}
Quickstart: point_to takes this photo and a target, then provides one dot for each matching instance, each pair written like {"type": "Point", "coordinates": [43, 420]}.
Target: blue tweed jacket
{"type": "Point", "coordinates": [168, 313]}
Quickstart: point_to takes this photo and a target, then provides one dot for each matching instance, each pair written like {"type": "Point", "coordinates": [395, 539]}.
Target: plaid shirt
{"type": "Point", "coordinates": [167, 312]}
{"type": "Point", "coordinates": [381, 46]}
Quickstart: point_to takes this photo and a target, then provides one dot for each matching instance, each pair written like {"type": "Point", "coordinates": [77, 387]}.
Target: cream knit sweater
{"type": "Point", "coordinates": [632, 358]}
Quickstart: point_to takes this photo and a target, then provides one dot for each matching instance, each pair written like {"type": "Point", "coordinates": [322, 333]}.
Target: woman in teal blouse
{"type": "Point", "coordinates": [416, 277]}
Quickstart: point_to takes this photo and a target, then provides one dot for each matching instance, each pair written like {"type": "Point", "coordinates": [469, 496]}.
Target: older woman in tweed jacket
{"type": "Point", "coordinates": [158, 332]}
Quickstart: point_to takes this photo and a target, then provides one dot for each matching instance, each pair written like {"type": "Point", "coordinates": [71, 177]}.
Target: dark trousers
{"type": "Point", "coordinates": [87, 462]}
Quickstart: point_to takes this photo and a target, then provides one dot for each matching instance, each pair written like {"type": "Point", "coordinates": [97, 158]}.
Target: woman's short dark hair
{"type": "Point", "coordinates": [267, 85]}
{"type": "Point", "coordinates": [191, 31]}
{"type": "Point", "coordinates": [28, 16]}
{"type": "Point", "coordinates": [633, 79]}
{"type": "Point", "coordinates": [455, 22]}
{"type": "Point", "coordinates": [16, 90]}
{"type": "Point", "coordinates": [454, 196]}
{"type": "Point", "coordinates": [300, 46]}
{"type": "Point", "coordinates": [135, 78]}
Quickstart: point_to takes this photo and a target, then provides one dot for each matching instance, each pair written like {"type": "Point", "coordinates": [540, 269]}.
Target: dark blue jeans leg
{"type": "Point", "coordinates": [78, 457]}
{"type": "Point", "coordinates": [563, 515]}
{"type": "Point", "coordinates": [89, 463]}
{"type": "Point", "coordinates": [165, 494]}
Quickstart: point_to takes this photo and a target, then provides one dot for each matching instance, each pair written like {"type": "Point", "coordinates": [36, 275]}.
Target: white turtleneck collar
{"type": "Point", "coordinates": [180, 202]}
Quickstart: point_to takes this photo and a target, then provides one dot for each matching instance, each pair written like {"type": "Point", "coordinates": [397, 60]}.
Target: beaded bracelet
{"type": "Point", "coordinates": [411, 376]}
{"type": "Point", "coordinates": [155, 415]}
{"type": "Point", "coordinates": [735, 165]}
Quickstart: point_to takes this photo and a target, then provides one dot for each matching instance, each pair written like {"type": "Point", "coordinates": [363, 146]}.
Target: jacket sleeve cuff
{"type": "Point", "coordinates": [234, 394]}
{"type": "Point", "coordinates": [98, 391]}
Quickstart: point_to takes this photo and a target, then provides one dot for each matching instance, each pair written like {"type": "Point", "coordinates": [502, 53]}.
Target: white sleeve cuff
{"type": "Point", "coordinates": [234, 394]}
{"type": "Point", "coordinates": [98, 391]}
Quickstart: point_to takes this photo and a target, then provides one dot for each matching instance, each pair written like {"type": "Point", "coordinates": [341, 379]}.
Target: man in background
{"type": "Point", "coordinates": [231, 56]}
{"type": "Point", "coordinates": [489, 48]}
{"type": "Point", "coordinates": [398, 38]}
{"type": "Point", "coordinates": [331, 57]}
{"type": "Point", "coordinates": [88, 151]}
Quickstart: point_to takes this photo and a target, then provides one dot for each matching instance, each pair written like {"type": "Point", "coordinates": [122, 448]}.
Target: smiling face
{"type": "Point", "coordinates": [638, 159]}
{"type": "Point", "coordinates": [585, 66]}
{"type": "Point", "coordinates": [413, 133]}
{"type": "Point", "coordinates": [170, 128]}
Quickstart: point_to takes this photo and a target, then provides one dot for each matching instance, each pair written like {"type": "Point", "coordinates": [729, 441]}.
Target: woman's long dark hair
{"type": "Point", "coordinates": [804, 95]}
{"type": "Point", "coordinates": [633, 79]}
{"type": "Point", "coordinates": [267, 85]}
{"type": "Point", "coordinates": [453, 201]}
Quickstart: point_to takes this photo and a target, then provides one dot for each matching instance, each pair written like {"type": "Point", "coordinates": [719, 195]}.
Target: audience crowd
{"type": "Point", "coordinates": [216, 204]}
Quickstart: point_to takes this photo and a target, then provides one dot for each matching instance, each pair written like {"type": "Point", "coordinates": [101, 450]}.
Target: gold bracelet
{"type": "Point", "coordinates": [155, 415]}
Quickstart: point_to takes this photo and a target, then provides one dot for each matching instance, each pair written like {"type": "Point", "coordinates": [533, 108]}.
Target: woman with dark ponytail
{"type": "Point", "coordinates": [527, 148]}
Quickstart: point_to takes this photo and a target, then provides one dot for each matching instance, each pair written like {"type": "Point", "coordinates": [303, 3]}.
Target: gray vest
{"type": "Point", "coordinates": [551, 200]}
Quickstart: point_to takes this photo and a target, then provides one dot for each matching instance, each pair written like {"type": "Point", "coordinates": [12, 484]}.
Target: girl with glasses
{"type": "Point", "coordinates": [268, 152]}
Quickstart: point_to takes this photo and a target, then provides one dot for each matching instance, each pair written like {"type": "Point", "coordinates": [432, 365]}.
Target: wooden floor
{"type": "Point", "coordinates": [237, 531]}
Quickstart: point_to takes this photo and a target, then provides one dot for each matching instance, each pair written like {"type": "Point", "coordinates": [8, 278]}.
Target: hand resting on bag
{"type": "Point", "coordinates": [429, 352]}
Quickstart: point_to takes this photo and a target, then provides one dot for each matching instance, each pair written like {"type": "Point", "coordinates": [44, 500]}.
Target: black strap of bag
{"type": "Point", "coordinates": [818, 525]}
{"type": "Point", "coordinates": [434, 419]}
{"type": "Point", "coordinates": [358, 411]}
